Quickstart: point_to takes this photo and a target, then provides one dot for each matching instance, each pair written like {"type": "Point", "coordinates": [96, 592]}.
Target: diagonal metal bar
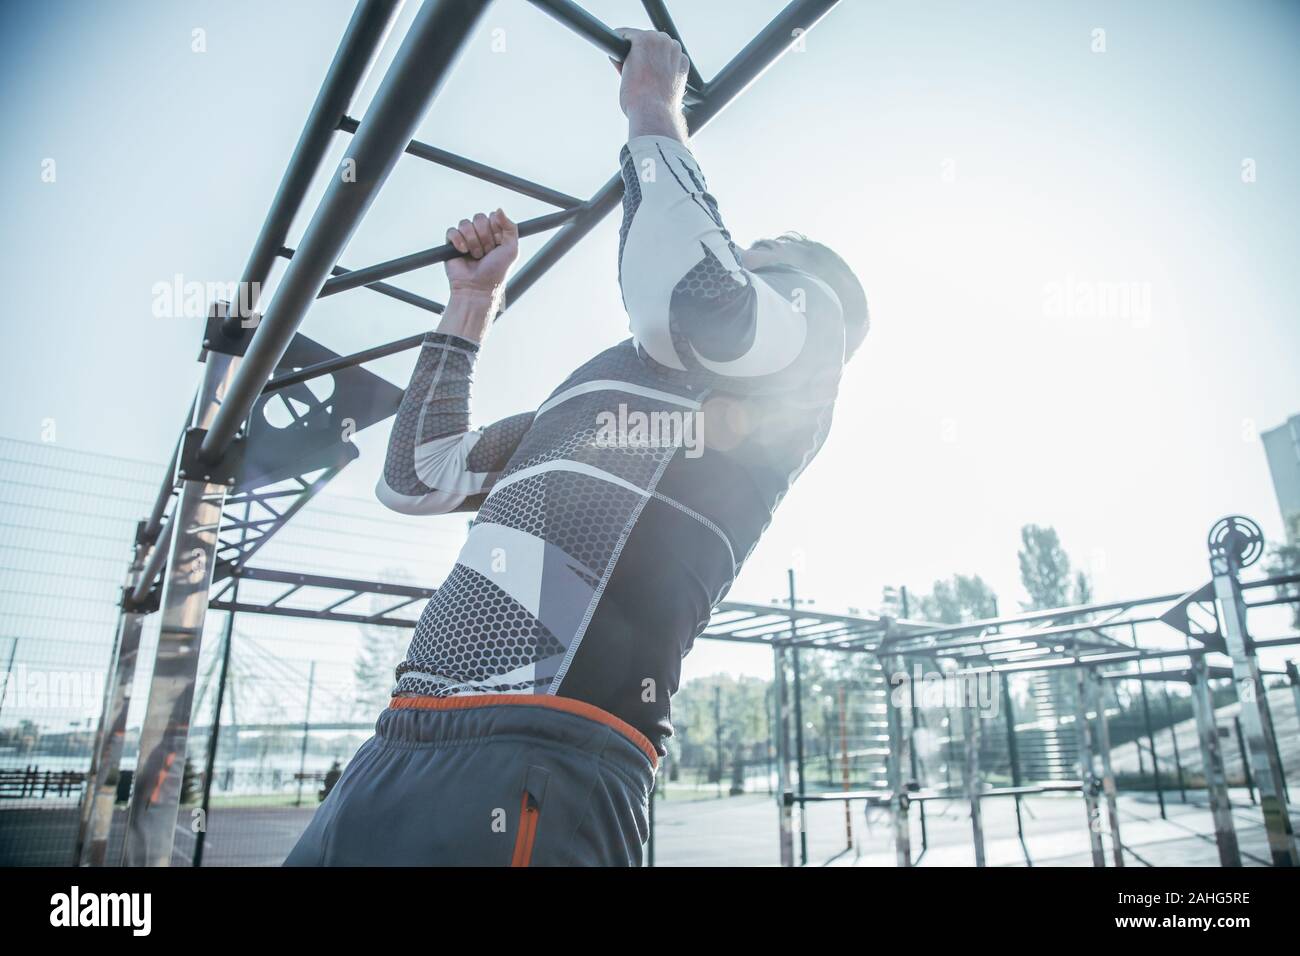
{"type": "Point", "coordinates": [361, 42]}
{"type": "Point", "coordinates": [745, 67]}
{"type": "Point", "coordinates": [592, 30]}
{"type": "Point", "coordinates": [383, 288]}
{"type": "Point", "coordinates": [662, 20]}
{"type": "Point", "coordinates": [419, 69]}
{"type": "Point", "coordinates": [577, 222]}
{"type": "Point", "coordinates": [343, 361]}
{"type": "Point", "coordinates": [303, 496]}
{"type": "Point", "coordinates": [586, 26]}
{"type": "Point", "coordinates": [489, 174]}
{"type": "Point", "coordinates": [426, 257]}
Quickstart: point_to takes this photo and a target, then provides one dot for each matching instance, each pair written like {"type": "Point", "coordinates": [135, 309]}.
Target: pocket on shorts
{"type": "Point", "coordinates": [530, 815]}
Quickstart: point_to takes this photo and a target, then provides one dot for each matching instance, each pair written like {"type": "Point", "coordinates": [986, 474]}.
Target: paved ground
{"type": "Point", "coordinates": [741, 831]}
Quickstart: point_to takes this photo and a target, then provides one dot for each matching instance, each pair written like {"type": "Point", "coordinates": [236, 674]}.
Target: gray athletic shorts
{"type": "Point", "coordinates": [488, 781]}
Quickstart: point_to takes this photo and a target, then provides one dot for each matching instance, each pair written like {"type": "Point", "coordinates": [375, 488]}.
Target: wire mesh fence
{"type": "Point", "coordinates": [66, 523]}
{"type": "Point", "coordinates": [299, 696]}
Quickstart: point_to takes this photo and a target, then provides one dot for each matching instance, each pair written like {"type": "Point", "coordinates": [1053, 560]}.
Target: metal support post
{"type": "Point", "coordinates": [1173, 739]}
{"type": "Point", "coordinates": [1245, 762]}
{"type": "Point", "coordinates": [1250, 692]}
{"type": "Point", "coordinates": [101, 780]}
{"type": "Point", "coordinates": [214, 736]}
{"type": "Point", "coordinates": [1216, 783]}
{"type": "Point", "coordinates": [1293, 675]}
{"type": "Point", "coordinates": [155, 800]}
{"type": "Point", "coordinates": [800, 769]}
{"type": "Point", "coordinates": [914, 762]}
{"type": "Point", "coordinates": [974, 783]}
{"type": "Point", "coordinates": [1087, 771]}
{"type": "Point", "coordinates": [899, 799]}
{"type": "Point", "coordinates": [784, 798]}
{"type": "Point", "coordinates": [1107, 772]}
{"type": "Point", "coordinates": [1013, 754]}
{"type": "Point", "coordinates": [1151, 748]}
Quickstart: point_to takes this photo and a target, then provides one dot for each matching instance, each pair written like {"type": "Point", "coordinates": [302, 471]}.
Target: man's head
{"type": "Point", "coordinates": [821, 262]}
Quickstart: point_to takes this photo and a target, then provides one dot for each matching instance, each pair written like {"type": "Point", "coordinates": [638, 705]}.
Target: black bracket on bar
{"type": "Point", "coordinates": [224, 472]}
{"type": "Point", "coordinates": [216, 338]}
{"type": "Point", "coordinates": [151, 603]}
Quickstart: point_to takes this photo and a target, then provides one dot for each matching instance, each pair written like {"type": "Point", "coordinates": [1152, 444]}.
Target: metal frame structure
{"type": "Point", "coordinates": [225, 457]}
{"type": "Point", "coordinates": [1082, 639]}
{"type": "Point", "coordinates": [232, 482]}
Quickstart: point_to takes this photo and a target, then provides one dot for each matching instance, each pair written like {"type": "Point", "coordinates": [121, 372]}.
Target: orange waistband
{"type": "Point", "coordinates": [566, 704]}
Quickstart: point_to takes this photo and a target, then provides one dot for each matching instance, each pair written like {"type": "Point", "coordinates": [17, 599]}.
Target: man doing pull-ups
{"type": "Point", "coordinates": [533, 704]}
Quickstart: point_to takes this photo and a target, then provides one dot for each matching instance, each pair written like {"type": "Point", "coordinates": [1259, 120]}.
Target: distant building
{"type": "Point", "coordinates": [1282, 447]}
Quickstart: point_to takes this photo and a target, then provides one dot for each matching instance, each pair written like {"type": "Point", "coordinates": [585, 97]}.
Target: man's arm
{"type": "Point", "coordinates": [435, 463]}
{"type": "Point", "coordinates": [692, 303]}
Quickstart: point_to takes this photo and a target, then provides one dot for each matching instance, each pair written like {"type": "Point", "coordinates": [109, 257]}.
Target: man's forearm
{"type": "Point", "coordinates": [656, 117]}
{"type": "Point", "coordinates": [468, 313]}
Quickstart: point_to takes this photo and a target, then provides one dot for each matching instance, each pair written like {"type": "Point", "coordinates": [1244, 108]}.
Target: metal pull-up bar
{"type": "Point", "coordinates": [417, 73]}
{"type": "Point", "coordinates": [590, 28]}
{"type": "Point", "coordinates": [576, 222]}
{"type": "Point", "coordinates": [424, 58]}
{"type": "Point", "coordinates": [356, 54]}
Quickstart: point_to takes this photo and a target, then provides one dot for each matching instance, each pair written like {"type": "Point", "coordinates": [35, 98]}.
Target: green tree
{"type": "Point", "coordinates": [1082, 588]}
{"type": "Point", "coordinates": [1285, 559]}
{"type": "Point", "coordinates": [743, 711]}
{"type": "Point", "coordinates": [959, 599]}
{"type": "Point", "coordinates": [1045, 574]}
{"type": "Point", "coordinates": [1044, 568]}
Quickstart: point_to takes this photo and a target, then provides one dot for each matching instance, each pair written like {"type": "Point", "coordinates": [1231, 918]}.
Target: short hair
{"type": "Point", "coordinates": [825, 263]}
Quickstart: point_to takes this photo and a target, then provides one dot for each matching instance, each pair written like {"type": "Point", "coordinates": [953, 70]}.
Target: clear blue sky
{"type": "Point", "coordinates": [973, 161]}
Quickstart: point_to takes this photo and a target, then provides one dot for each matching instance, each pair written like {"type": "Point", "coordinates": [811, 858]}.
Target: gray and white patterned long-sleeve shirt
{"type": "Point", "coordinates": [613, 518]}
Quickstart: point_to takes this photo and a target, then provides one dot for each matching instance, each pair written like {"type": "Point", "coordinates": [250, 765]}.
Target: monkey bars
{"type": "Point", "coordinates": [240, 480]}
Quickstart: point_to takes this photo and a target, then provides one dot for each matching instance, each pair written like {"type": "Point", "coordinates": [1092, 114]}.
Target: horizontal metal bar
{"type": "Point", "coordinates": [307, 614]}
{"type": "Point", "coordinates": [427, 257]}
{"type": "Point", "coordinates": [334, 583]}
{"type": "Point", "coordinates": [1273, 582]}
{"type": "Point", "coordinates": [392, 291]}
{"type": "Point", "coordinates": [853, 796]}
{"type": "Point", "coordinates": [460, 164]}
{"type": "Point", "coordinates": [1276, 641]}
{"type": "Point", "coordinates": [329, 366]}
{"type": "Point", "coordinates": [361, 43]}
{"type": "Point", "coordinates": [1063, 634]}
{"type": "Point", "coordinates": [1030, 616]}
{"type": "Point", "coordinates": [1284, 599]}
